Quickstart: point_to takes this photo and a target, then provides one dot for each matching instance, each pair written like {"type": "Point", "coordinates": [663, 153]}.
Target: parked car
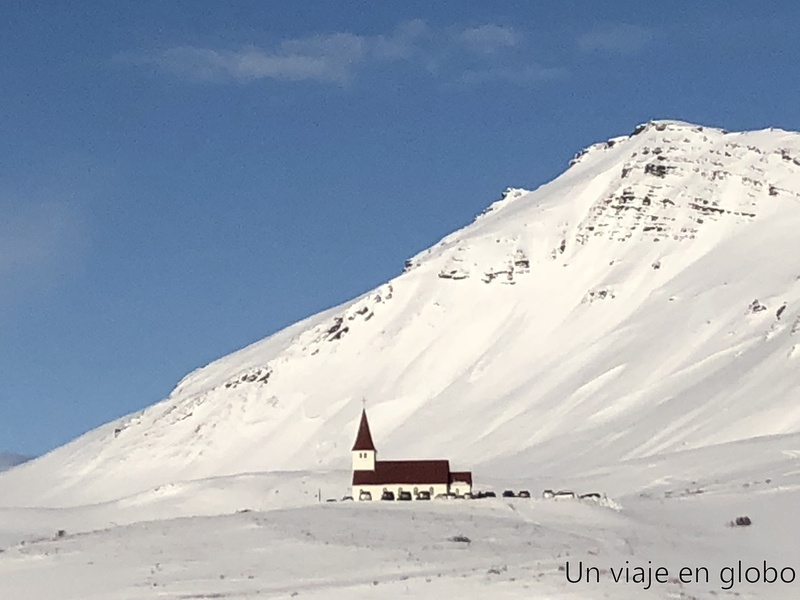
{"type": "Point", "coordinates": [548, 494]}
{"type": "Point", "coordinates": [404, 496]}
{"type": "Point", "coordinates": [365, 496]}
{"type": "Point", "coordinates": [346, 498]}
{"type": "Point", "coordinates": [424, 496]}
{"type": "Point", "coordinates": [564, 494]}
{"type": "Point", "coordinates": [387, 495]}
{"type": "Point", "coordinates": [489, 494]}
{"type": "Point", "coordinates": [331, 500]}
{"type": "Point", "coordinates": [590, 496]}
{"type": "Point", "coordinates": [508, 494]}
{"type": "Point", "coordinates": [524, 494]}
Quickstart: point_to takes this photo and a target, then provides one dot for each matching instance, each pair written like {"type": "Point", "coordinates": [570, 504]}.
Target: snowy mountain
{"type": "Point", "coordinates": [631, 328]}
{"type": "Point", "coordinates": [645, 302]}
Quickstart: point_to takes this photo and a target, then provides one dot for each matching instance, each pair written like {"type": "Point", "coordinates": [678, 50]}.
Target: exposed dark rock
{"type": "Point", "coordinates": [756, 306]}
{"type": "Point", "coordinates": [338, 335]}
{"type": "Point", "coordinates": [259, 375]}
{"type": "Point", "coordinates": [656, 169]}
{"type": "Point", "coordinates": [336, 325]}
{"type": "Point", "coordinates": [452, 274]}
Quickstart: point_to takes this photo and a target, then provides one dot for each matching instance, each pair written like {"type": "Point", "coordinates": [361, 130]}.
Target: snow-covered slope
{"type": "Point", "coordinates": [265, 536]}
{"type": "Point", "coordinates": [647, 301]}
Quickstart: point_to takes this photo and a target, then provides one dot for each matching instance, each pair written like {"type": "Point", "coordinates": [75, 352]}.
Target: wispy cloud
{"type": "Point", "coordinates": [44, 226]}
{"type": "Point", "coordinates": [38, 236]}
{"type": "Point", "coordinates": [325, 58]}
{"type": "Point", "coordinates": [482, 52]}
{"type": "Point", "coordinates": [406, 42]}
{"type": "Point", "coordinates": [617, 38]}
{"type": "Point", "coordinates": [519, 75]}
{"type": "Point", "coordinates": [489, 39]}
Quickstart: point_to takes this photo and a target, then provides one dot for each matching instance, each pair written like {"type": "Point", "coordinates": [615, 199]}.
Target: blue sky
{"type": "Point", "coordinates": [179, 179]}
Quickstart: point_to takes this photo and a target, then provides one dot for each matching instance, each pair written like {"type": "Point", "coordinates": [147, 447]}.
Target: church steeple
{"type": "Point", "coordinates": [364, 437]}
{"type": "Point", "coordinates": [364, 448]}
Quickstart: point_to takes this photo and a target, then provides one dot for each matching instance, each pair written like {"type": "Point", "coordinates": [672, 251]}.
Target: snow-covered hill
{"type": "Point", "coordinates": [645, 302]}
{"type": "Point", "coordinates": [266, 536]}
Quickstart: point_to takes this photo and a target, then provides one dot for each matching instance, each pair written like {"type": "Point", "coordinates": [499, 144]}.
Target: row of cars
{"type": "Point", "coordinates": [388, 496]}
{"type": "Point", "coordinates": [561, 494]}
{"type": "Point", "coordinates": [570, 495]}
{"type": "Point", "coordinates": [401, 496]}
{"type": "Point", "coordinates": [423, 495]}
{"type": "Point", "coordinates": [404, 496]}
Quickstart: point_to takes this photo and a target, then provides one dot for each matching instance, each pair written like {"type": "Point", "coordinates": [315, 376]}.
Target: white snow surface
{"type": "Point", "coordinates": [631, 328]}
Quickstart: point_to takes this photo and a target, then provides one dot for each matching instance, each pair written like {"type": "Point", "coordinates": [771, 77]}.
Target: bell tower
{"type": "Point", "coordinates": [364, 449]}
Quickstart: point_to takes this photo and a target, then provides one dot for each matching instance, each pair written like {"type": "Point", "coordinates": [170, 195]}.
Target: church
{"type": "Point", "coordinates": [372, 477]}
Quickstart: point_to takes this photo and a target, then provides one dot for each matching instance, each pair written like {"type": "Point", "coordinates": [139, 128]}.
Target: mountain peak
{"type": "Point", "coordinates": [665, 181]}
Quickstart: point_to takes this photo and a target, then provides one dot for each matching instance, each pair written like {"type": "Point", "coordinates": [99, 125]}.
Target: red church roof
{"type": "Point", "coordinates": [424, 472]}
{"type": "Point", "coordinates": [465, 476]}
{"type": "Point", "coordinates": [364, 437]}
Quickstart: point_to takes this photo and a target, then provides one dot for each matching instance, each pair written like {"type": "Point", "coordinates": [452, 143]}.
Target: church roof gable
{"type": "Point", "coordinates": [462, 476]}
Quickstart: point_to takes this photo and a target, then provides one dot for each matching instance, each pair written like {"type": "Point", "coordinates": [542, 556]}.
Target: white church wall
{"type": "Point", "coordinates": [459, 488]}
{"type": "Point", "coordinates": [363, 460]}
{"type": "Point", "coordinates": [377, 490]}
